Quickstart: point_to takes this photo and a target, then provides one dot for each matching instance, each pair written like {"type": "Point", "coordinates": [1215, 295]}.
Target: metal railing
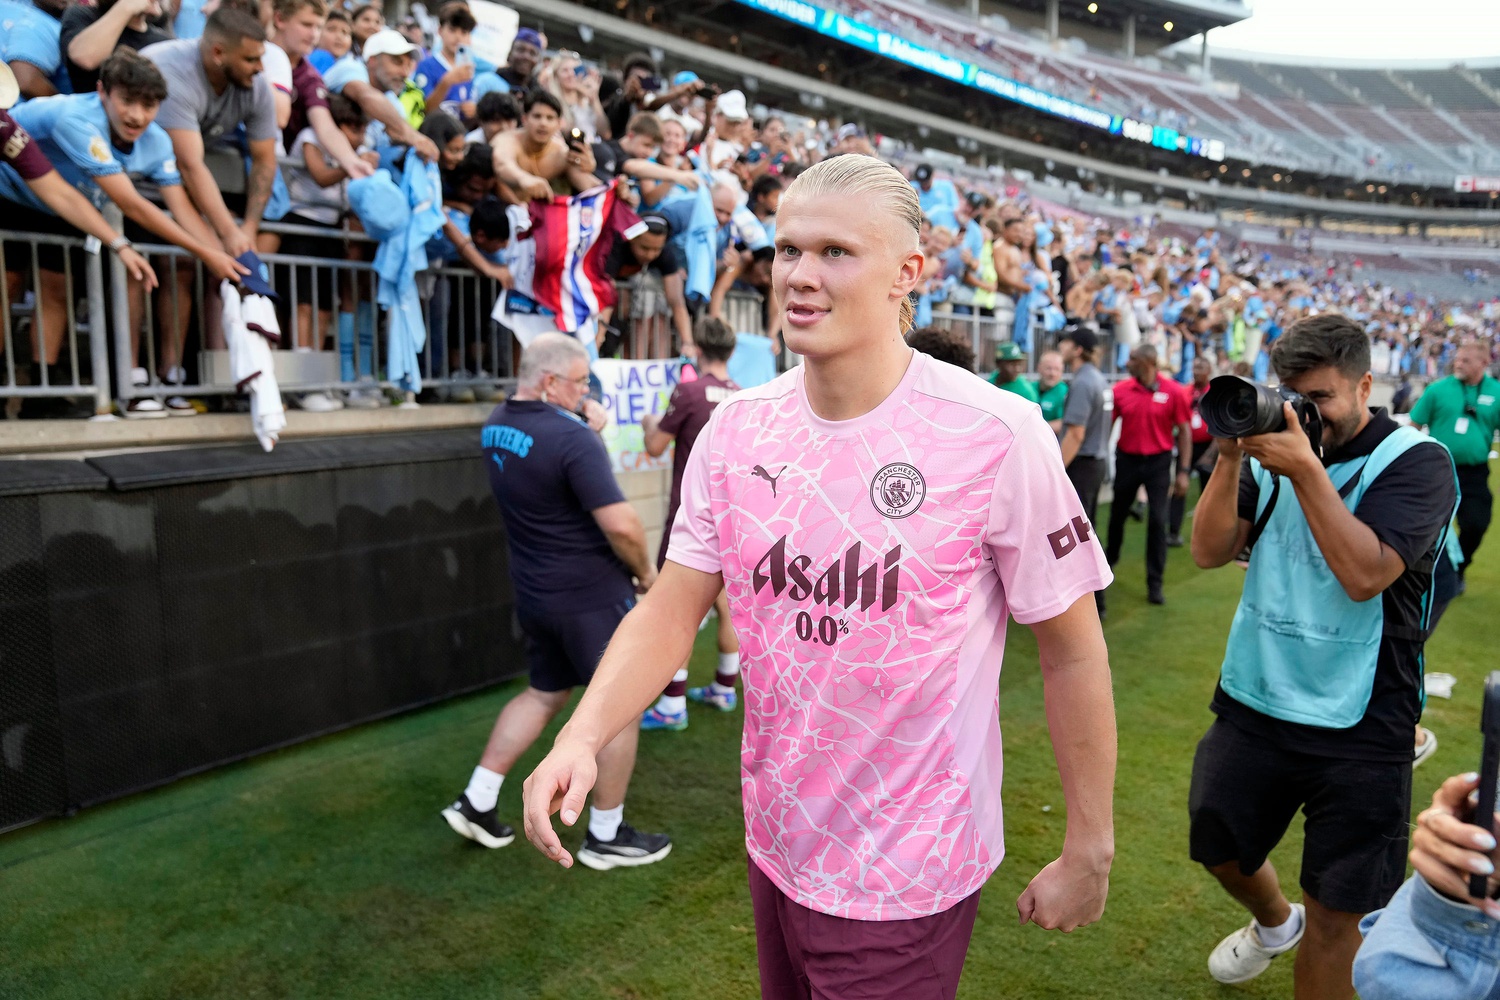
{"type": "Point", "coordinates": [330, 324]}
{"type": "Point", "coordinates": [51, 305]}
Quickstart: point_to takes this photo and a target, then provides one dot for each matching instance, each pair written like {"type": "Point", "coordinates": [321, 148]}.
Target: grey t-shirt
{"type": "Point", "coordinates": [192, 105]}
{"type": "Point", "coordinates": [1085, 408]}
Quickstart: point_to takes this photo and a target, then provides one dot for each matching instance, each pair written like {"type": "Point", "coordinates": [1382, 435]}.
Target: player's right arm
{"type": "Point", "coordinates": [653, 640]}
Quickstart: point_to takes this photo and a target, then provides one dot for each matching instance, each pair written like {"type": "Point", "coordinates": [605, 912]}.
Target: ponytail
{"type": "Point", "coordinates": [908, 315]}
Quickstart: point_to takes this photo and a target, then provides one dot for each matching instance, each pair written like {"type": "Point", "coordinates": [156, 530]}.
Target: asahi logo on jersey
{"type": "Point", "coordinates": [898, 490]}
{"type": "Point", "coordinates": [1069, 536]}
{"type": "Point", "coordinates": [801, 581]}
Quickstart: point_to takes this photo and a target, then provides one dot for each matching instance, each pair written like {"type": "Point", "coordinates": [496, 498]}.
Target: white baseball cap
{"type": "Point", "coordinates": [732, 106]}
{"type": "Point", "coordinates": [387, 42]}
{"type": "Point", "coordinates": [10, 90]}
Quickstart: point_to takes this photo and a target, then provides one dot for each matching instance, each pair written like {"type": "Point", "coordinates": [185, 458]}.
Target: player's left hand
{"type": "Point", "coordinates": [1065, 895]}
{"type": "Point", "coordinates": [1180, 485]}
{"type": "Point", "coordinates": [1286, 452]}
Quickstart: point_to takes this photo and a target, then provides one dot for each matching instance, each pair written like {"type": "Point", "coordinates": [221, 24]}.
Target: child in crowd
{"type": "Point", "coordinates": [476, 233]}
{"type": "Point", "coordinates": [497, 113]}
{"type": "Point", "coordinates": [334, 43]}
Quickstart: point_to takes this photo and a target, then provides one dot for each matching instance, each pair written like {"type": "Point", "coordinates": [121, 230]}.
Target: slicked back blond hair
{"type": "Point", "coordinates": [881, 183]}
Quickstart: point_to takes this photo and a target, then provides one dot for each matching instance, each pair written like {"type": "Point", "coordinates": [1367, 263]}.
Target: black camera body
{"type": "Point", "coordinates": [1236, 407]}
{"type": "Point", "coordinates": [1489, 770]}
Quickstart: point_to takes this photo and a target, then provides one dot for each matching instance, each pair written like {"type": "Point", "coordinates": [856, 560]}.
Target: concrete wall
{"type": "Point", "coordinates": [648, 493]}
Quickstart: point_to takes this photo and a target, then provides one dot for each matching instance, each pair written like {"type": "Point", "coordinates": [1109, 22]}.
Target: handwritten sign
{"type": "Point", "coordinates": [494, 31]}
{"type": "Point", "coordinates": [633, 389]}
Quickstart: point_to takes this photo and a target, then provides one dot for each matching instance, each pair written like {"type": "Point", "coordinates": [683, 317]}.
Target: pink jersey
{"type": "Point", "coordinates": [871, 564]}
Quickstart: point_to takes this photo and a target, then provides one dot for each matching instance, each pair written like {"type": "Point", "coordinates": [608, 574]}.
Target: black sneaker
{"type": "Point", "coordinates": [1155, 596]}
{"type": "Point", "coordinates": [1174, 541]}
{"type": "Point", "coordinates": [481, 827]}
{"type": "Point", "coordinates": [629, 849]}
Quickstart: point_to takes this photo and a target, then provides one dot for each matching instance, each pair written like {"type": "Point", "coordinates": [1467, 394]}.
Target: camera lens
{"type": "Point", "coordinates": [1237, 407]}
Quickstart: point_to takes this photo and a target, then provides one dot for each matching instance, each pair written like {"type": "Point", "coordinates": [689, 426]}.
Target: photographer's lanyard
{"type": "Point", "coordinates": [1461, 425]}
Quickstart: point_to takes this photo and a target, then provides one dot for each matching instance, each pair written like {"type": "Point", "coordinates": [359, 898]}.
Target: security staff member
{"type": "Point", "coordinates": [1321, 683]}
{"type": "Point", "coordinates": [1201, 441]}
{"type": "Point", "coordinates": [1463, 412]}
{"type": "Point", "coordinates": [1151, 408]}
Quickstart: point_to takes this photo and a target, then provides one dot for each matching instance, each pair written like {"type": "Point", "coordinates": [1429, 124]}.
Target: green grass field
{"type": "Point", "coordinates": [324, 871]}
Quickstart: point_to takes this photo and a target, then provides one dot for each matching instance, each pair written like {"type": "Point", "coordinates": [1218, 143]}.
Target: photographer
{"type": "Point", "coordinates": [1321, 683]}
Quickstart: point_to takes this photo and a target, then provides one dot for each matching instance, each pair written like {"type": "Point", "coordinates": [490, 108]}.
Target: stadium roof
{"type": "Point", "coordinates": [1190, 50]}
{"type": "Point", "coordinates": [1188, 17]}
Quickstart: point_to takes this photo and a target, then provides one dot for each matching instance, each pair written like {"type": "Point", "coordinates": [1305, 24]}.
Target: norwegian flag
{"type": "Point", "coordinates": [573, 237]}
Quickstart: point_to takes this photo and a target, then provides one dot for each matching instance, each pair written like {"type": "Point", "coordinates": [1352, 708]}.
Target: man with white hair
{"type": "Point", "coordinates": [577, 560]}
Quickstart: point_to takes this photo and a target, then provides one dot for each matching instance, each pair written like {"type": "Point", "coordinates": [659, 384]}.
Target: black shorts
{"type": "Point", "coordinates": [49, 256]}
{"type": "Point", "coordinates": [1246, 790]}
{"type": "Point", "coordinates": [563, 648]}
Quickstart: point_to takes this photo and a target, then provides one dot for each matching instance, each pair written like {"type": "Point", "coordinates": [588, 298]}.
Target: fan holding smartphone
{"type": "Point", "coordinates": [446, 76]}
{"type": "Point", "coordinates": [1440, 935]}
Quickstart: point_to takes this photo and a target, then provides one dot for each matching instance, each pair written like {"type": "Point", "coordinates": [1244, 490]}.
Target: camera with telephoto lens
{"type": "Point", "coordinates": [1236, 407]}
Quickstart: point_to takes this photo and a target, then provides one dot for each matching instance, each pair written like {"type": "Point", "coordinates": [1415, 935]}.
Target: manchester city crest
{"type": "Point", "coordinates": [898, 490]}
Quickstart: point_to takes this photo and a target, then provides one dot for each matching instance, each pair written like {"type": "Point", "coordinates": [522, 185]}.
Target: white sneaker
{"type": "Point", "coordinates": [1241, 957]}
{"type": "Point", "coordinates": [145, 408]}
{"type": "Point", "coordinates": [364, 398]}
{"type": "Point", "coordinates": [319, 402]}
{"type": "Point", "coordinates": [178, 406]}
{"type": "Point", "coordinates": [1426, 750]}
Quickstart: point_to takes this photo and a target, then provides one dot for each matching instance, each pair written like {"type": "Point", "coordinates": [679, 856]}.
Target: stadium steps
{"type": "Point", "coordinates": [1374, 88]}
{"type": "Point", "coordinates": [1452, 90]}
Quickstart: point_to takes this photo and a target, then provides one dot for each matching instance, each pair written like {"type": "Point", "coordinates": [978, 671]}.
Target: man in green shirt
{"type": "Point", "coordinates": [1051, 390]}
{"type": "Point", "coordinates": [1010, 362]}
{"type": "Point", "coordinates": [1463, 412]}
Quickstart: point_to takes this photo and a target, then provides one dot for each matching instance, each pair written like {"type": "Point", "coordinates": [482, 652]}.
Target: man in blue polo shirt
{"type": "Point", "coordinates": [577, 559]}
{"type": "Point", "coordinates": [376, 85]}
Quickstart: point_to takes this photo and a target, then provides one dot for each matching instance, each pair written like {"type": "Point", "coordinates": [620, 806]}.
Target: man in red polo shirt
{"type": "Point", "coordinates": [1201, 440]}
{"type": "Point", "coordinates": [1150, 408]}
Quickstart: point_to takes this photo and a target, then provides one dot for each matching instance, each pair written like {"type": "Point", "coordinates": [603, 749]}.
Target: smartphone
{"type": "Point", "coordinates": [1489, 771]}
{"type": "Point", "coordinates": [575, 138]}
{"type": "Point", "coordinates": [462, 55]}
{"type": "Point", "coordinates": [581, 70]}
{"type": "Point", "coordinates": [651, 84]}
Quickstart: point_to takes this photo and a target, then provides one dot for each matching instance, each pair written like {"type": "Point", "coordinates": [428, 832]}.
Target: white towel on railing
{"type": "Point", "coordinates": [249, 327]}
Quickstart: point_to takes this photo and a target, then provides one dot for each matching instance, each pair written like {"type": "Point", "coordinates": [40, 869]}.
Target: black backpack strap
{"type": "Point", "coordinates": [1265, 515]}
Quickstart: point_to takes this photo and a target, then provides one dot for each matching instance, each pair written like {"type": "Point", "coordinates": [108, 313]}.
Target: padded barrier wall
{"type": "Point", "coordinates": [165, 612]}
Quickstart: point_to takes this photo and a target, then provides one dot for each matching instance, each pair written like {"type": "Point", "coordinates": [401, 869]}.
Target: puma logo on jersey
{"type": "Point", "coordinates": [760, 472]}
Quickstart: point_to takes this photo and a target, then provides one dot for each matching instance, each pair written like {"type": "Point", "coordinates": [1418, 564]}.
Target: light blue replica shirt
{"type": "Point", "coordinates": [73, 130]}
{"type": "Point", "coordinates": [29, 34]}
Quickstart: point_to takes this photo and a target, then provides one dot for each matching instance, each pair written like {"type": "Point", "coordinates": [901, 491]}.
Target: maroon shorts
{"type": "Point", "coordinates": [806, 955]}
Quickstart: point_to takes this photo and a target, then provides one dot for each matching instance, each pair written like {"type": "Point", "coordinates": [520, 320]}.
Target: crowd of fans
{"type": "Point", "coordinates": [205, 123]}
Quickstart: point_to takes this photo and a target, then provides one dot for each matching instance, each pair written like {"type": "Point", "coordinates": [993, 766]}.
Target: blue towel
{"type": "Point", "coordinates": [695, 234]}
{"type": "Point", "coordinates": [752, 362]}
{"type": "Point", "coordinates": [397, 262]}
